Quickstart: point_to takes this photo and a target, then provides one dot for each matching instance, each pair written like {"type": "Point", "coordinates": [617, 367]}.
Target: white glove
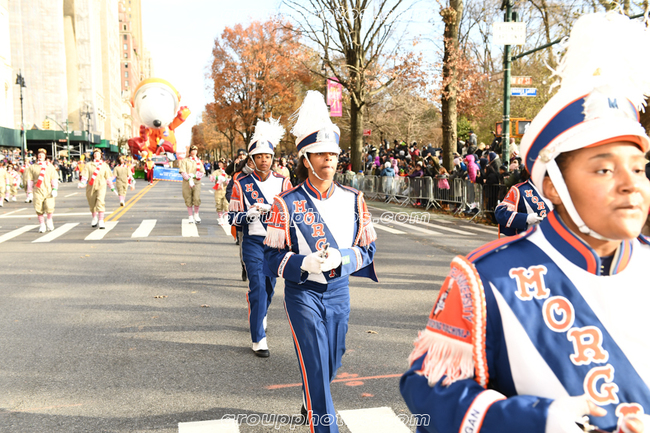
{"type": "Point", "coordinates": [54, 193]}
{"type": "Point", "coordinates": [564, 412]}
{"type": "Point", "coordinates": [533, 219]}
{"type": "Point", "coordinates": [635, 424]}
{"type": "Point", "coordinates": [312, 263]}
{"type": "Point", "coordinates": [81, 185]}
{"type": "Point", "coordinates": [212, 178]}
{"type": "Point", "coordinates": [253, 214]}
{"type": "Point", "coordinates": [263, 207]}
{"type": "Point", "coordinates": [199, 175]}
{"type": "Point", "coordinates": [191, 183]}
{"type": "Point", "coordinates": [332, 261]}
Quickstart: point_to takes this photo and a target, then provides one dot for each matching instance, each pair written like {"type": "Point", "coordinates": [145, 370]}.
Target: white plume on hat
{"type": "Point", "coordinates": [604, 49]}
{"type": "Point", "coordinates": [313, 118]}
{"type": "Point", "coordinates": [265, 133]}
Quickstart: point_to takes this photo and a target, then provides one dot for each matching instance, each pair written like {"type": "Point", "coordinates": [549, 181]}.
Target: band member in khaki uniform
{"type": "Point", "coordinates": [220, 180]}
{"type": "Point", "coordinates": [96, 175]}
{"type": "Point", "coordinates": [12, 185]}
{"type": "Point", "coordinates": [192, 170]}
{"type": "Point", "coordinates": [123, 179]}
{"type": "Point", "coordinates": [4, 180]}
{"type": "Point", "coordinates": [42, 182]}
{"type": "Point", "coordinates": [23, 173]}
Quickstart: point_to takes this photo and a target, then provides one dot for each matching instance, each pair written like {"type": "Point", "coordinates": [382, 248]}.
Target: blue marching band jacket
{"type": "Point", "coordinates": [522, 199]}
{"type": "Point", "coordinates": [528, 319]}
{"type": "Point", "coordinates": [303, 221]}
{"type": "Point", "coordinates": [249, 190]}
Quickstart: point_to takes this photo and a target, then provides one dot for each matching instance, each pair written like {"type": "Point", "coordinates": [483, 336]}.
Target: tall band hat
{"type": "Point", "coordinates": [267, 135]}
{"type": "Point", "coordinates": [314, 131]}
{"type": "Point", "coordinates": [603, 83]}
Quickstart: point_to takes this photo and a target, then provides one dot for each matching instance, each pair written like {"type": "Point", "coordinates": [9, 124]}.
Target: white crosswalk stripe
{"type": "Point", "coordinates": [99, 234]}
{"type": "Point", "coordinates": [389, 229]}
{"type": "Point", "coordinates": [417, 228]}
{"type": "Point", "coordinates": [213, 426]}
{"type": "Point", "coordinates": [145, 228]}
{"type": "Point", "coordinates": [56, 233]}
{"type": "Point", "coordinates": [373, 420]}
{"type": "Point", "coordinates": [189, 230]}
{"type": "Point", "coordinates": [12, 234]}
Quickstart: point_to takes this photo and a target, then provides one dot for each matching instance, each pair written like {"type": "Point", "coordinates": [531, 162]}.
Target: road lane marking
{"type": "Point", "coordinates": [389, 229]}
{"type": "Point", "coordinates": [144, 229]}
{"type": "Point", "coordinates": [494, 231]}
{"type": "Point", "coordinates": [349, 379]}
{"type": "Point", "coordinates": [223, 222]}
{"type": "Point", "coordinates": [70, 195]}
{"type": "Point", "coordinates": [99, 234]}
{"type": "Point", "coordinates": [373, 420]}
{"type": "Point", "coordinates": [13, 211]}
{"type": "Point", "coordinates": [56, 214]}
{"type": "Point", "coordinates": [17, 232]}
{"type": "Point", "coordinates": [449, 229]}
{"type": "Point", "coordinates": [56, 233]}
{"type": "Point", "coordinates": [418, 229]}
{"type": "Point", "coordinates": [189, 230]}
{"type": "Point", "coordinates": [213, 426]}
{"type": "Point", "coordinates": [117, 213]}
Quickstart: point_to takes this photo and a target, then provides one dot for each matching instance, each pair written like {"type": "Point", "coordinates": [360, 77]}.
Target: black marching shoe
{"type": "Point", "coordinates": [244, 276]}
{"type": "Point", "coordinates": [302, 418]}
{"type": "Point", "coordinates": [261, 349]}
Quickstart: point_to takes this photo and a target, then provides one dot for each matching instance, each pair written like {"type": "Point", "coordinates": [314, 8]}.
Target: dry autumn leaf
{"type": "Point", "coordinates": [371, 332]}
{"type": "Point", "coordinates": [160, 296]}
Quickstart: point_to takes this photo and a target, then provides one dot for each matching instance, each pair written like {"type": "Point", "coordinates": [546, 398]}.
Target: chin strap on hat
{"type": "Point", "coordinates": [560, 186]}
{"type": "Point", "coordinates": [258, 170]}
{"type": "Point", "coordinates": [311, 167]}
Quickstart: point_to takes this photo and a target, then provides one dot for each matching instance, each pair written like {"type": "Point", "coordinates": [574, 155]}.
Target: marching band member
{"type": "Point", "coordinates": [522, 208]}
{"type": "Point", "coordinates": [249, 206]}
{"type": "Point", "coordinates": [319, 234]}
{"type": "Point", "coordinates": [192, 169]}
{"type": "Point", "coordinates": [123, 179]}
{"type": "Point", "coordinates": [96, 175]}
{"type": "Point", "coordinates": [14, 181]}
{"type": "Point", "coordinates": [42, 184]}
{"type": "Point", "coordinates": [220, 180]}
{"type": "Point", "coordinates": [533, 332]}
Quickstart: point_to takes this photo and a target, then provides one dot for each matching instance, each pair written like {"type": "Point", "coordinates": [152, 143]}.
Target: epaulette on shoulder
{"type": "Point", "coordinates": [644, 239]}
{"type": "Point", "coordinates": [276, 174]}
{"type": "Point", "coordinates": [517, 185]}
{"type": "Point", "coordinates": [349, 188]}
{"type": "Point", "coordinates": [497, 245]}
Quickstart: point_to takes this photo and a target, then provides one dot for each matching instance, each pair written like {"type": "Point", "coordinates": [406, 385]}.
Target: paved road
{"type": "Point", "coordinates": [106, 332]}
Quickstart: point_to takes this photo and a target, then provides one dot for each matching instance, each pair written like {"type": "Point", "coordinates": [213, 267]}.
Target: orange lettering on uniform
{"type": "Point", "coordinates": [300, 206]}
{"type": "Point", "coordinates": [587, 346]}
{"type": "Point", "coordinates": [624, 409]}
{"type": "Point", "coordinates": [249, 187]}
{"type": "Point", "coordinates": [540, 205]}
{"type": "Point", "coordinates": [309, 218]}
{"type": "Point", "coordinates": [534, 199]}
{"type": "Point", "coordinates": [320, 243]}
{"type": "Point", "coordinates": [317, 230]}
{"type": "Point", "coordinates": [254, 194]}
{"type": "Point", "coordinates": [530, 282]}
{"type": "Point", "coordinates": [260, 200]}
{"type": "Point", "coordinates": [558, 306]}
{"type": "Point", "coordinates": [606, 392]}
{"type": "Point", "coordinates": [529, 193]}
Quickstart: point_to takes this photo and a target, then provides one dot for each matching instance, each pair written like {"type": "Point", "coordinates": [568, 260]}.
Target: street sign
{"type": "Point", "coordinates": [521, 81]}
{"type": "Point", "coordinates": [509, 33]}
{"type": "Point", "coordinates": [367, 132]}
{"type": "Point", "coordinates": [523, 91]}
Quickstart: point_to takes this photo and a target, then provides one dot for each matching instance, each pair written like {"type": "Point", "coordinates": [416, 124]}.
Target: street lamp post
{"type": "Point", "coordinates": [20, 80]}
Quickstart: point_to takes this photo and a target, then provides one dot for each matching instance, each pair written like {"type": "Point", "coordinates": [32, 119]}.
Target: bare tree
{"type": "Point", "coordinates": [352, 39]}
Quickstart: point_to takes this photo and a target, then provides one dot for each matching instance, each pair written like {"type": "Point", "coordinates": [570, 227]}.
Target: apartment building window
{"type": "Point", "coordinates": [125, 27]}
{"type": "Point", "coordinates": [126, 47]}
{"type": "Point", "coordinates": [126, 55]}
{"type": "Point", "coordinates": [126, 74]}
{"type": "Point", "coordinates": [125, 37]}
{"type": "Point", "coordinates": [126, 65]}
{"type": "Point", "coordinates": [126, 83]}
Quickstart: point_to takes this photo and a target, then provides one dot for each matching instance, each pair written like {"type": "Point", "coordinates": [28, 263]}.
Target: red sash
{"type": "Point", "coordinates": [41, 176]}
{"type": "Point", "coordinates": [96, 172]}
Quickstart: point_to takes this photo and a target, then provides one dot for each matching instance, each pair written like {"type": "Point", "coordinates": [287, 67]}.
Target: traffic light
{"type": "Point", "coordinates": [47, 124]}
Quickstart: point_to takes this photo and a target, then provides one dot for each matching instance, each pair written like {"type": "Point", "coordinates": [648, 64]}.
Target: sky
{"type": "Point", "coordinates": [180, 36]}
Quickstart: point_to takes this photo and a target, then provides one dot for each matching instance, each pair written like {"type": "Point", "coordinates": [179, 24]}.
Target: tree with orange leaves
{"type": "Point", "coordinates": [255, 72]}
